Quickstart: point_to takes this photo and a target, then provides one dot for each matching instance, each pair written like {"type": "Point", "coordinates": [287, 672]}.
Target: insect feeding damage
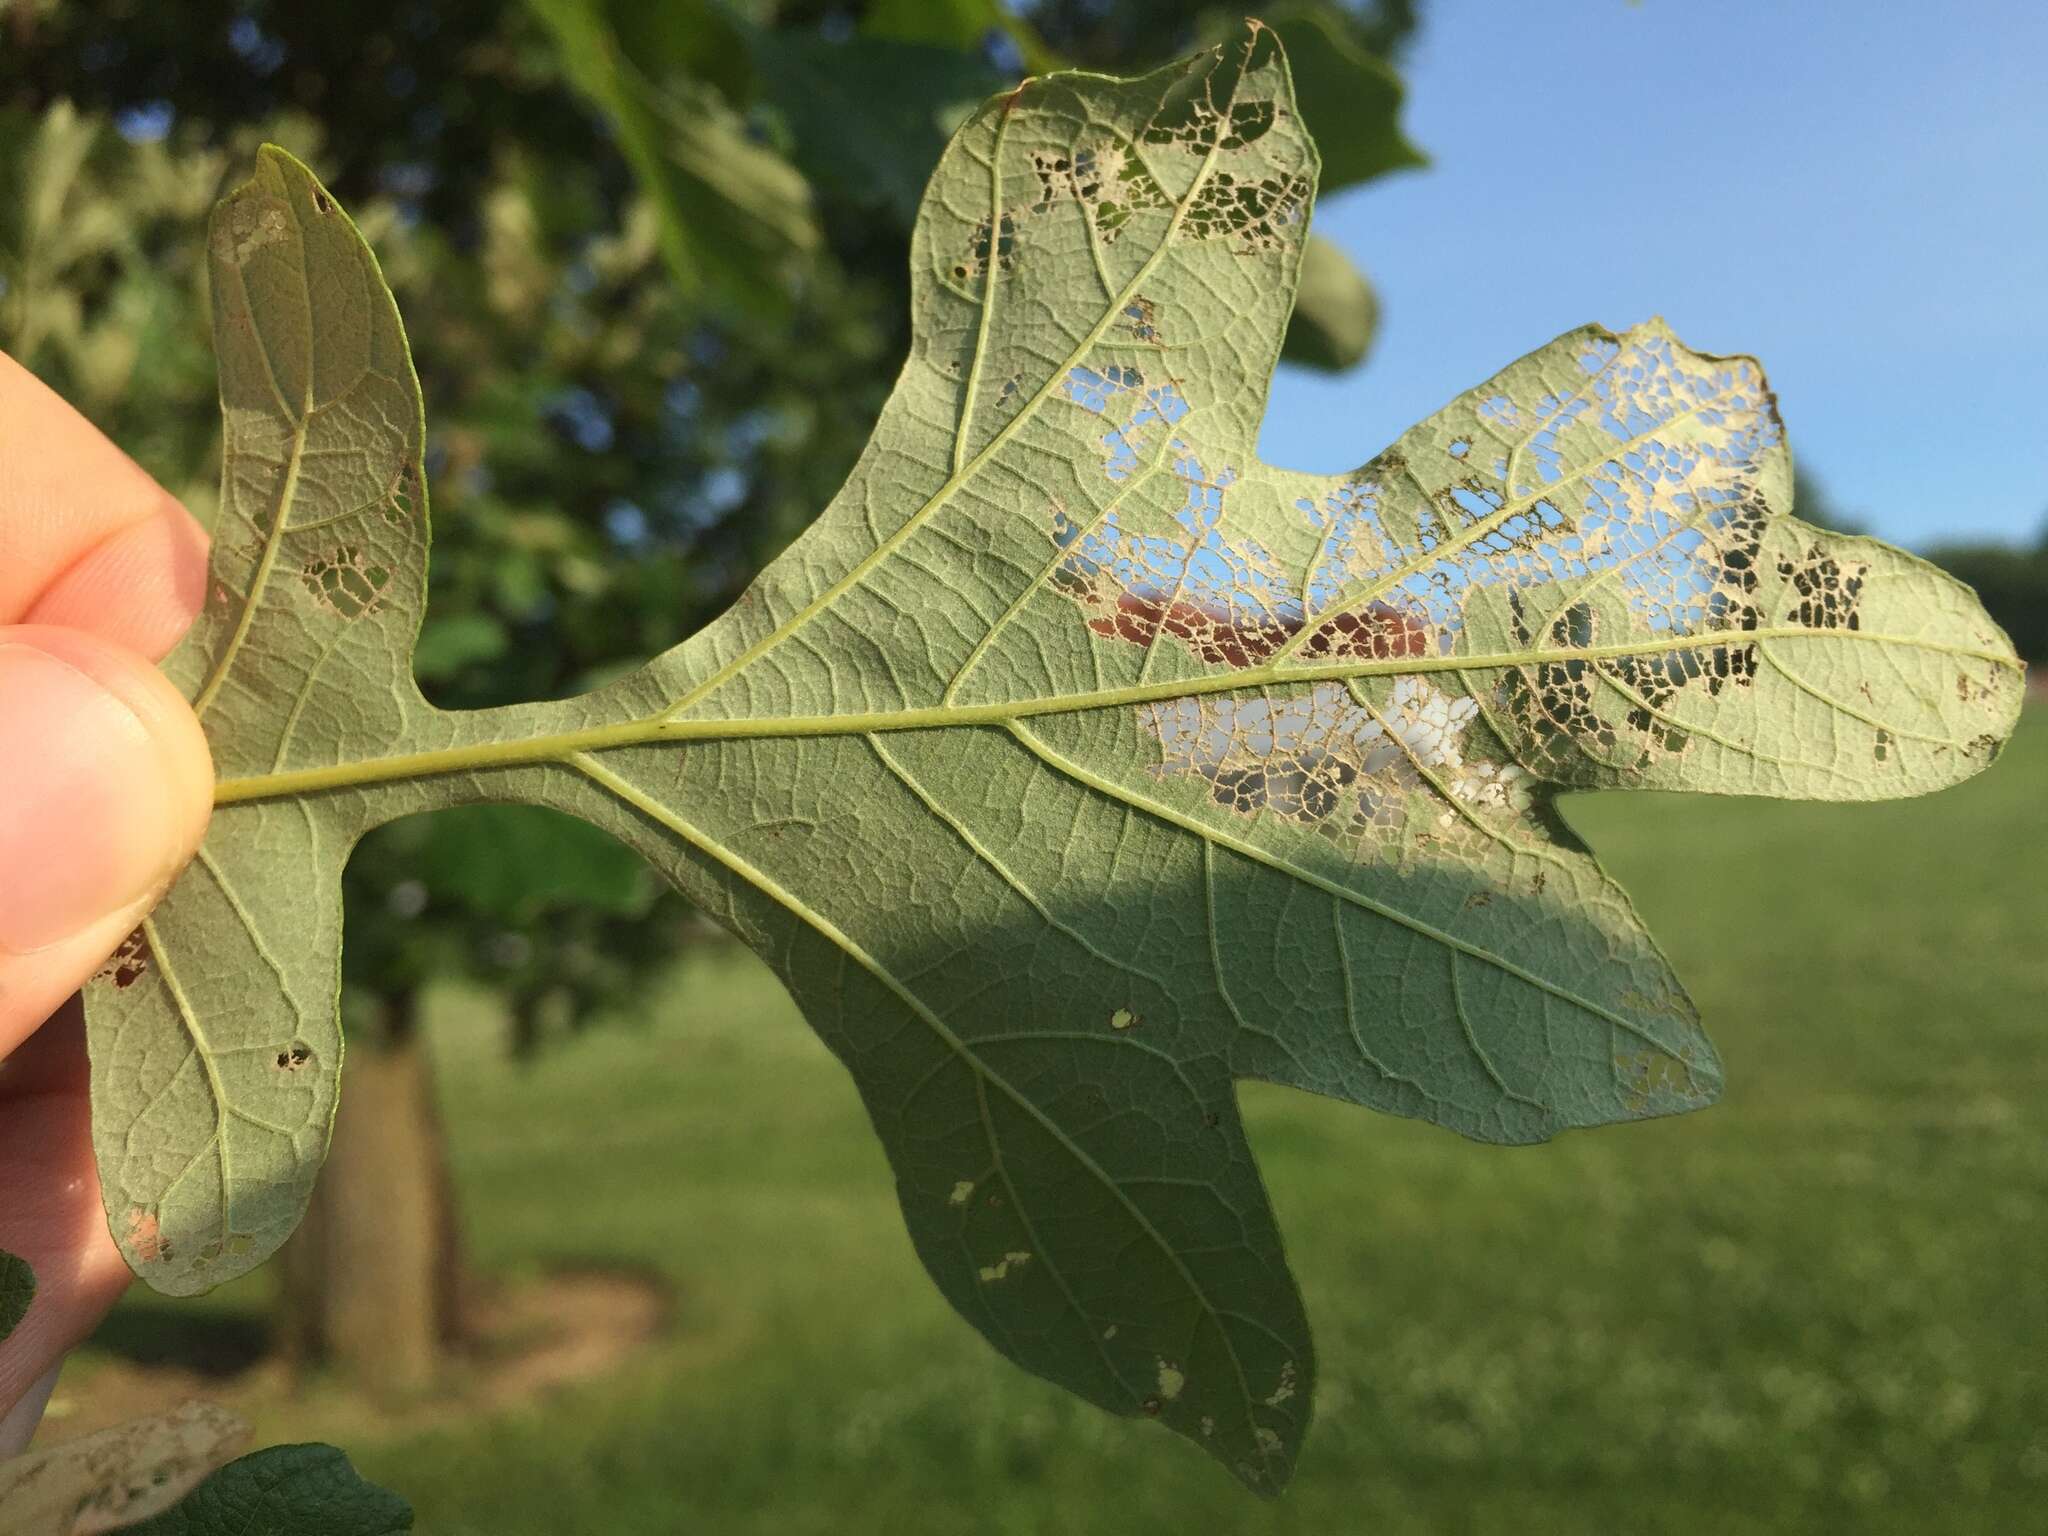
{"type": "Point", "coordinates": [1653, 530]}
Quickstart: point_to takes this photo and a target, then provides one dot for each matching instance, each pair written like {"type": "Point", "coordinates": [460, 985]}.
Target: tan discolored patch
{"type": "Point", "coordinates": [1003, 1267]}
{"type": "Point", "coordinates": [1286, 1387]}
{"type": "Point", "coordinates": [247, 225]}
{"type": "Point", "coordinates": [1651, 1077]}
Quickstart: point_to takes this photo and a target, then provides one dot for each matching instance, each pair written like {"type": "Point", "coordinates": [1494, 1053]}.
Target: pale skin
{"type": "Point", "coordinates": [105, 790]}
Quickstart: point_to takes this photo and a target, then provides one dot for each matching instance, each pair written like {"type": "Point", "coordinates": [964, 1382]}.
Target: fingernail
{"type": "Point", "coordinates": [89, 821]}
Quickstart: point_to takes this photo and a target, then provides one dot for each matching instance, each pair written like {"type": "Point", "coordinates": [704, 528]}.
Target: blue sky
{"type": "Point", "coordinates": [1855, 193]}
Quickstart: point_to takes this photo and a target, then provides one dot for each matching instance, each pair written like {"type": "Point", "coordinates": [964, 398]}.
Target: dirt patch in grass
{"type": "Point", "coordinates": [526, 1341]}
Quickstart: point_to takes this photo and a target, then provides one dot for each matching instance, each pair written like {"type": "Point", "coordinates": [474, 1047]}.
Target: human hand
{"type": "Point", "coordinates": [105, 788]}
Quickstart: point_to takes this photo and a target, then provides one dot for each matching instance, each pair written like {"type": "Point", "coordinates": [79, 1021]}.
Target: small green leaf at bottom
{"type": "Point", "coordinates": [287, 1490]}
{"type": "Point", "coordinates": [17, 1290]}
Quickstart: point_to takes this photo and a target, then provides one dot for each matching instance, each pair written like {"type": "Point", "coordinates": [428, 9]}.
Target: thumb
{"type": "Point", "coordinates": [105, 787]}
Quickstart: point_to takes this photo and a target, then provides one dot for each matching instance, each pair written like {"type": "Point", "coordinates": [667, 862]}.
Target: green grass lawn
{"type": "Point", "coordinates": [1822, 1305]}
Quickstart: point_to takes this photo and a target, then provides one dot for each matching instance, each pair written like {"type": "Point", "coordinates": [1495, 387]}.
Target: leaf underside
{"type": "Point", "coordinates": [1074, 764]}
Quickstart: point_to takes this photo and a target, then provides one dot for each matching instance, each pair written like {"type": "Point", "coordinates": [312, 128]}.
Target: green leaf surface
{"type": "Point", "coordinates": [869, 114]}
{"type": "Point", "coordinates": [287, 1490]}
{"type": "Point", "coordinates": [17, 1291]}
{"type": "Point", "coordinates": [1074, 764]}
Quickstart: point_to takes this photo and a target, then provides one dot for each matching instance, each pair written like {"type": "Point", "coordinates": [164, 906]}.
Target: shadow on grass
{"type": "Point", "coordinates": [210, 1344]}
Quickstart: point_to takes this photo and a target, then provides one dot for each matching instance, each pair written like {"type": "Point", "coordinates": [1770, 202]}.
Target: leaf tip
{"type": "Point", "coordinates": [288, 169]}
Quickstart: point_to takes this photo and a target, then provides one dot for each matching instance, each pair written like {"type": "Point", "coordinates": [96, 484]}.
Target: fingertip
{"type": "Point", "coordinates": [139, 587]}
{"type": "Point", "coordinates": [183, 757]}
{"type": "Point", "coordinates": [105, 791]}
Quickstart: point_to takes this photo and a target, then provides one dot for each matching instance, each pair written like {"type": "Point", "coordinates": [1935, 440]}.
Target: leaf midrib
{"type": "Point", "coordinates": [281, 514]}
{"type": "Point", "coordinates": [555, 747]}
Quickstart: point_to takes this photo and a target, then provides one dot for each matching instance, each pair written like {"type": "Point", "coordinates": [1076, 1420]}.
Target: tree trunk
{"type": "Point", "coordinates": [372, 1281]}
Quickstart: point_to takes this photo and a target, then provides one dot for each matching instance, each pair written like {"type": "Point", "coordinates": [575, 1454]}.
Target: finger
{"type": "Point", "coordinates": [50, 1214]}
{"type": "Point", "coordinates": [52, 1060]}
{"type": "Point", "coordinates": [140, 586]}
{"type": "Point", "coordinates": [87, 539]}
{"type": "Point", "coordinates": [105, 788]}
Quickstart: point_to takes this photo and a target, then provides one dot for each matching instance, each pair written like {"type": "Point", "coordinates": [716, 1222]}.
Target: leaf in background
{"type": "Point", "coordinates": [1349, 96]}
{"type": "Point", "coordinates": [17, 1291]}
{"type": "Point", "coordinates": [1336, 313]}
{"type": "Point", "coordinates": [47, 227]}
{"type": "Point", "coordinates": [1074, 764]}
{"type": "Point", "coordinates": [961, 25]}
{"type": "Point", "coordinates": [516, 862]}
{"type": "Point", "coordinates": [707, 42]}
{"type": "Point", "coordinates": [287, 1490]}
{"type": "Point", "coordinates": [449, 646]}
{"type": "Point", "coordinates": [110, 1480]}
{"type": "Point", "coordinates": [734, 216]}
{"type": "Point", "coordinates": [869, 115]}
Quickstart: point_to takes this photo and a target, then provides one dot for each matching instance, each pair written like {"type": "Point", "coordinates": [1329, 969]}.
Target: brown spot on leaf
{"type": "Point", "coordinates": [127, 964]}
{"type": "Point", "coordinates": [248, 224]}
